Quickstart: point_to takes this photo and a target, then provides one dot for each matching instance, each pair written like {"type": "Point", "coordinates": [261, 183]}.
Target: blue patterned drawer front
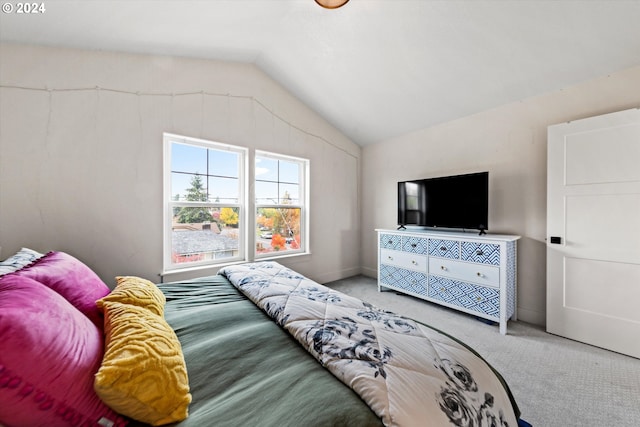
{"type": "Point", "coordinates": [475, 274]}
{"type": "Point", "coordinates": [401, 278]}
{"type": "Point", "coordinates": [444, 248]}
{"type": "Point", "coordinates": [484, 253]}
{"type": "Point", "coordinates": [390, 241]}
{"type": "Point", "coordinates": [416, 245]}
{"type": "Point", "coordinates": [478, 298]}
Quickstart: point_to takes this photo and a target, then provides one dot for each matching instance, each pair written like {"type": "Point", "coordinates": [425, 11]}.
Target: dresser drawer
{"type": "Point", "coordinates": [403, 279]}
{"type": "Point", "coordinates": [390, 241]}
{"type": "Point", "coordinates": [485, 253]}
{"type": "Point", "coordinates": [467, 295]}
{"type": "Point", "coordinates": [444, 248]}
{"type": "Point", "coordinates": [463, 271]}
{"type": "Point", "coordinates": [486, 275]}
{"type": "Point", "coordinates": [416, 245]}
{"type": "Point", "coordinates": [404, 259]}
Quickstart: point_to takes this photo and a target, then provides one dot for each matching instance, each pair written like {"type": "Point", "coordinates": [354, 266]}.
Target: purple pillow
{"type": "Point", "coordinates": [69, 277]}
{"type": "Point", "coordinates": [49, 354]}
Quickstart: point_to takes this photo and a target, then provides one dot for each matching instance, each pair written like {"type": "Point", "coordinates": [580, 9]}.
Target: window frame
{"type": "Point", "coordinates": [169, 204]}
{"type": "Point", "coordinates": [247, 205]}
{"type": "Point", "coordinates": [303, 203]}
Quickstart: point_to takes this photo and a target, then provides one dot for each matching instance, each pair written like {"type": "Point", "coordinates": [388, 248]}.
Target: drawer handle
{"type": "Point", "coordinates": [478, 299]}
{"type": "Point", "coordinates": [390, 242]}
{"type": "Point", "coordinates": [480, 274]}
{"type": "Point", "coordinates": [443, 248]}
{"type": "Point", "coordinates": [413, 245]}
{"type": "Point", "coordinates": [414, 262]}
{"type": "Point", "coordinates": [389, 257]}
{"type": "Point", "coordinates": [443, 268]}
{"type": "Point", "coordinates": [443, 289]}
{"type": "Point", "coordinates": [414, 282]}
{"type": "Point", "coordinates": [479, 252]}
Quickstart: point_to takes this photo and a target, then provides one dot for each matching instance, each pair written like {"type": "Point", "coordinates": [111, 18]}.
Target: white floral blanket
{"type": "Point", "coordinates": [408, 373]}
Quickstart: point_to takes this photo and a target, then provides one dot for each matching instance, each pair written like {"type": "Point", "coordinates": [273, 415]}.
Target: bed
{"type": "Point", "coordinates": [257, 344]}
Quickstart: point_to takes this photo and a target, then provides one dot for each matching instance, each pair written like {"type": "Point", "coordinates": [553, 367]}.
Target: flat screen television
{"type": "Point", "coordinates": [457, 201]}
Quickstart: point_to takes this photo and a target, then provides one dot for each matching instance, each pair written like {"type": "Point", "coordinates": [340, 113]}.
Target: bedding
{"type": "Point", "coordinates": [23, 257]}
{"type": "Point", "coordinates": [141, 352]}
{"type": "Point", "coordinates": [70, 278]}
{"type": "Point", "coordinates": [244, 370]}
{"type": "Point", "coordinates": [258, 345]}
{"type": "Point", "coordinates": [408, 373]}
{"type": "Point", "coordinates": [49, 352]}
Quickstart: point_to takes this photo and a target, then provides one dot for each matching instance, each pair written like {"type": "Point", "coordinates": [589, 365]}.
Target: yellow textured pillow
{"type": "Point", "coordinates": [143, 374]}
{"type": "Point", "coordinates": [137, 291]}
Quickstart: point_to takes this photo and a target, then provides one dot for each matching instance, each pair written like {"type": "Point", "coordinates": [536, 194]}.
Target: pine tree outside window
{"type": "Point", "coordinates": [211, 218]}
{"type": "Point", "coordinates": [206, 202]}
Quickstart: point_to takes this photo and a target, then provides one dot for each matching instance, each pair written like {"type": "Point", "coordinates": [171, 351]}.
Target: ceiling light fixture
{"type": "Point", "coordinates": [331, 4]}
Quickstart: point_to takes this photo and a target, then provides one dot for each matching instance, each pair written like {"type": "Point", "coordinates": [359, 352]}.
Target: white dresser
{"type": "Point", "coordinates": [468, 272]}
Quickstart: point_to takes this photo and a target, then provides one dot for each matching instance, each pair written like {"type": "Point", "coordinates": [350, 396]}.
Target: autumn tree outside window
{"type": "Point", "coordinates": [205, 202]}
{"type": "Point", "coordinates": [281, 202]}
{"type": "Point", "coordinates": [210, 217]}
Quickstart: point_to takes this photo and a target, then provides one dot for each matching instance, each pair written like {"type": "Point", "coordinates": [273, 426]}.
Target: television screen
{"type": "Point", "coordinates": [459, 201]}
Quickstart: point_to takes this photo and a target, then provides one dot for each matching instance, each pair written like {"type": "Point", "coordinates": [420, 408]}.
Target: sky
{"type": "Point", "coordinates": [221, 170]}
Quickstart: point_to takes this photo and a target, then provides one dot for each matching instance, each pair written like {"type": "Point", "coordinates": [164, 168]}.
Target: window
{"type": "Point", "coordinates": [207, 204]}
{"type": "Point", "coordinates": [280, 197]}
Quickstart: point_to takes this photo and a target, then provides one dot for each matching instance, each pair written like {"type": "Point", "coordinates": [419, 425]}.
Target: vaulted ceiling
{"type": "Point", "coordinates": [375, 69]}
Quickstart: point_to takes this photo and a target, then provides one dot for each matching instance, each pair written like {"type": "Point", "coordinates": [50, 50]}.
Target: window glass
{"type": "Point", "coordinates": [188, 158]}
{"type": "Point", "coordinates": [266, 192]}
{"type": "Point", "coordinates": [207, 235]}
{"type": "Point", "coordinates": [280, 204]}
{"type": "Point", "coordinates": [223, 190]}
{"type": "Point", "coordinates": [223, 163]}
{"type": "Point", "coordinates": [289, 172]}
{"type": "Point", "coordinates": [279, 230]}
{"type": "Point", "coordinates": [210, 218]}
{"type": "Point", "coordinates": [266, 169]}
{"type": "Point", "coordinates": [204, 222]}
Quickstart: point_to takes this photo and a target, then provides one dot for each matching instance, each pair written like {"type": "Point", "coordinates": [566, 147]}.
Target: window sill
{"type": "Point", "coordinates": [212, 269]}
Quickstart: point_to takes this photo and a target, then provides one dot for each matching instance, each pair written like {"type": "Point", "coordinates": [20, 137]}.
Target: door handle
{"type": "Point", "coordinates": [556, 240]}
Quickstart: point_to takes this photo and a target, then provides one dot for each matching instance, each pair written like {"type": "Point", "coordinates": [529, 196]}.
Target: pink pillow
{"type": "Point", "coordinates": [49, 354]}
{"type": "Point", "coordinates": [69, 277]}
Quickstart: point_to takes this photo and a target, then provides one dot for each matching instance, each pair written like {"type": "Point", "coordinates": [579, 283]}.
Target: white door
{"type": "Point", "coordinates": [593, 231]}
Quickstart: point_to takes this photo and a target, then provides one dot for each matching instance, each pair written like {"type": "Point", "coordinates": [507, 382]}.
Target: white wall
{"type": "Point", "coordinates": [81, 158]}
{"type": "Point", "coordinates": [511, 143]}
{"type": "Point", "coordinates": [81, 154]}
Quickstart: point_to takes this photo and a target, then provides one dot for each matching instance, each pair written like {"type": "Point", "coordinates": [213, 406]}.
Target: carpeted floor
{"type": "Point", "coordinates": [556, 382]}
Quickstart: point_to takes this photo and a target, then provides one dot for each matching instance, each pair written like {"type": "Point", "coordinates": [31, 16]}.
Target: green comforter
{"type": "Point", "coordinates": [409, 374]}
{"type": "Point", "coordinates": [244, 370]}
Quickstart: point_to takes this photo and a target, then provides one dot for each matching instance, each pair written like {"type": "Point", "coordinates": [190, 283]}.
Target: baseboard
{"type": "Point", "coordinates": [532, 316]}
{"type": "Point", "coordinates": [370, 272]}
{"type": "Point", "coordinates": [332, 276]}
